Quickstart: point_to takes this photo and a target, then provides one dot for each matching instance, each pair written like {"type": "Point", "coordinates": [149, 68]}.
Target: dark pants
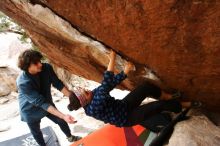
{"type": "Point", "coordinates": [151, 113]}
{"type": "Point", "coordinates": [37, 134]}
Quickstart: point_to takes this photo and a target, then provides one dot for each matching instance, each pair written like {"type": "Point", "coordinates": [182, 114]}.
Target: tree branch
{"type": "Point", "coordinates": [11, 31]}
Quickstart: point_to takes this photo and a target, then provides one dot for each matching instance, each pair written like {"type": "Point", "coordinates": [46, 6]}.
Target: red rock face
{"type": "Point", "coordinates": [178, 40]}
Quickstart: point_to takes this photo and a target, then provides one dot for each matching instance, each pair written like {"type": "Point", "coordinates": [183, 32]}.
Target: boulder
{"type": "Point", "coordinates": [7, 80]}
{"type": "Point", "coordinates": [4, 89]}
{"type": "Point", "coordinates": [197, 131]}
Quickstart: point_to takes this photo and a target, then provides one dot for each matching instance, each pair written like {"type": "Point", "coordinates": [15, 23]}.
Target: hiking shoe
{"type": "Point", "coordinates": [196, 104]}
{"type": "Point", "coordinates": [73, 138]}
{"type": "Point", "coordinates": [177, 95]}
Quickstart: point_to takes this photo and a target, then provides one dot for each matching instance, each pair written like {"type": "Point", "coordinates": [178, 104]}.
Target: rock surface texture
{"type": "Point", "coordinates": [174, 42]}
{"type": "Point", "coordinates": [197, 131]}
{"type": "Point", "coordinates": [7, 80]}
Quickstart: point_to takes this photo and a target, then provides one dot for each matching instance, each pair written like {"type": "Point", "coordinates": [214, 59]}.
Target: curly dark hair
{"type": "Point", "coordinates": [27, 57]}
{"type": "Point", "coordinates": [74, 102]}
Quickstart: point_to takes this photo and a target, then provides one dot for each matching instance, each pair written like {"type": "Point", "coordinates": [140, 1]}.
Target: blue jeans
{"type": "Point", "coordinates": [37, 134]}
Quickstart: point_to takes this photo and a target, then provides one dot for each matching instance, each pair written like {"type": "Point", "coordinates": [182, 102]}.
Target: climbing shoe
{"type": "Point", "coordinates": [73, 138]}
{"type": "Point", "coordinates": [196, 104]}
{"type": "Point", "coordinates": [177, 95]}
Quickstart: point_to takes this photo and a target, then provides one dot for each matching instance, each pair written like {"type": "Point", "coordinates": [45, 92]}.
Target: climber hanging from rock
{"type": "Point", "coordinates": [99, 104]}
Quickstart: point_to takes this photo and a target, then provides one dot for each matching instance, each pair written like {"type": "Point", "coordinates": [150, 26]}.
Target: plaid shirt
{"type": "Point", "coordinates": [105, 107]}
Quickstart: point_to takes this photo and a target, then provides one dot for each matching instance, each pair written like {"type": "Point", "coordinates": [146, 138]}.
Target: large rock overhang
{"type": "Point", "coordinates": [175, 42]}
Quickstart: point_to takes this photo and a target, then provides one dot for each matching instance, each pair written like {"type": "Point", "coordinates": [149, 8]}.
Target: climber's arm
{"type": "Point", "coordinates": [111, 64]}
